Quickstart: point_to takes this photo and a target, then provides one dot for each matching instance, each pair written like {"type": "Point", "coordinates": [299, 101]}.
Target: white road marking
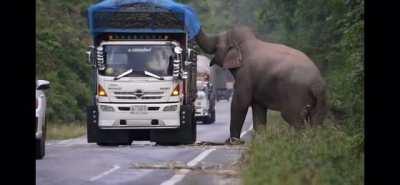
{"type": "Point", "coordinates": [200, 157]}
{"type": "Point", "coordinates": [177, 177]}
{"type": "Point", "coordinates": [181, 173]}
{"type": "Point", "coordinates": [248, 130]}
{"type": "Point", "coordinates": [116, 167]}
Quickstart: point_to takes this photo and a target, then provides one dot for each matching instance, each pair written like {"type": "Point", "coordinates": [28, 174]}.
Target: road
{"type": "Point", "coordinates": [75, 162]}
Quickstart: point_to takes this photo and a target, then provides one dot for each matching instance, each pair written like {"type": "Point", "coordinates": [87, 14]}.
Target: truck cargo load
{"type": "Point", "coordinates": [127, 16]}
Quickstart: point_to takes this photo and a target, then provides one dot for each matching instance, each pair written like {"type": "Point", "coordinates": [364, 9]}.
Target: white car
{"type": "Point", "coordinates": [40, 126]}
{"type": "Point", "coordinates": [204, 110]}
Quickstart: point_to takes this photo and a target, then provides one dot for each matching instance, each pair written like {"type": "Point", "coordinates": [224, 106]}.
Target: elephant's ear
{"type": "Point", "coordinates": [233, 58]}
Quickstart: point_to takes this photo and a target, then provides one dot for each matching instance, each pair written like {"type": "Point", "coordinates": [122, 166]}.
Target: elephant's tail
{"type": "Point", "coordinates": [318, 110]}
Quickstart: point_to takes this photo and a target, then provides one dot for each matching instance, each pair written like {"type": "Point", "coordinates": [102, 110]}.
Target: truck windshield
{"type": "Point", "coordinates": [156, 59]}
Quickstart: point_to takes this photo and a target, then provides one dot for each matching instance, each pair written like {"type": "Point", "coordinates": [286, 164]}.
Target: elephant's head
{"type": "Point", "coordinates": [226, 46]}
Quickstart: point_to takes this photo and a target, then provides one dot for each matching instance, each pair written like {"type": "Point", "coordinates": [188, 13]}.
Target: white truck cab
{"type": "Point", "coordinates": [147, 96]}
{"type": "Point", "coordinates": [141, 89]}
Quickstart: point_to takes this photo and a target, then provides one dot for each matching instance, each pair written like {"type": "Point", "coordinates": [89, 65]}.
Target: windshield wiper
{"type": "Point", "coordinates": [153, 75]}
{"type": "Point", "coordinates": [123, 74]}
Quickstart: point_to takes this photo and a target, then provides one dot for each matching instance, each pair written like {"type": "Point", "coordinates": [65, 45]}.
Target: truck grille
{"type": "Point", "coordinates": [151, 97]}
{"type": "Point", "coordinates": [126, 97]}
{"type": "Point", "coordinates": [134, 97]}
{"type": "Point", "coordinates": [134, 93]}
{"type": "Point", "coordinates": [148, 108]}
{"type": "Point", "coordinates": [138, 95]}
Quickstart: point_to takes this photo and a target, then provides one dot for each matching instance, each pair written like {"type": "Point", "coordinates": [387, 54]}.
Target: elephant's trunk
{"type": "Point", "coordinates": [206, 43]}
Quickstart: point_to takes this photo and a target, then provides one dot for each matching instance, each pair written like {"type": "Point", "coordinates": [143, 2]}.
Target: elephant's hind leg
{"type": "Point", "coordinates": [259, 116]}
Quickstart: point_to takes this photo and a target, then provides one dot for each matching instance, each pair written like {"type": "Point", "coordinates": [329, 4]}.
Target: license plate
{"type": "Point", "coordinates": [139, 109]}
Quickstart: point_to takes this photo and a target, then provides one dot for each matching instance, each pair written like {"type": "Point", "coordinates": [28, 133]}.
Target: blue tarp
{"type": "Point", "coordinates": [192, 22]}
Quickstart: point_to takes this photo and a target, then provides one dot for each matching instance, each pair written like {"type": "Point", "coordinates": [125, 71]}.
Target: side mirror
{"type": "Point", "coordinates": [192, 55]}
{"type": "Point", "coordinates": [42, 84]}
{"type": "Point", "coordinates": [178, 50]}
{"type": "Point", "coordinates": [90, 54]}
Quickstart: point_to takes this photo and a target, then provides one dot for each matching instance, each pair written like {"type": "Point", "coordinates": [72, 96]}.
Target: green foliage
{"type": "Point", "coordinates": [61, 41]}
{"type": "Point", "coordinates": [324, 156]}
{"type": "Point", "coordinates": [58, 131]}
{"type": "Point", "coordinates": [331, 33]}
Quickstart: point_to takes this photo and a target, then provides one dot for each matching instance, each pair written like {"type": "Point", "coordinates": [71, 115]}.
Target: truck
{"type": "Point", "coordinates": [144, 72]}
{"type": "Point", "coordinates": [223, 84]}
{"type": "Point", "coordinates": [205, 101]}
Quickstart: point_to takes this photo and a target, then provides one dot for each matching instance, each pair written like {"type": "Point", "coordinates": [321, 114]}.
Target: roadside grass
{"type": "Point", "coordinates": [57, 131]}
{"type": "Point", "coordinates": [279, 155]}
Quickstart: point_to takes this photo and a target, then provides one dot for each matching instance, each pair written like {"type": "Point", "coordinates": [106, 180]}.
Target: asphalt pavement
{"type": "Point", "coordinates": [76, 162]}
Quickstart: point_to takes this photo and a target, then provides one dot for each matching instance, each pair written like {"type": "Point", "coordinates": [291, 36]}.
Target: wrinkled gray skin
{"type": "Point", "coordinates": [267, 76]}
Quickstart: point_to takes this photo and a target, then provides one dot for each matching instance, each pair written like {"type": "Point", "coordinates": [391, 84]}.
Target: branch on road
{"type": "Point", "coordinates": [209, 168]}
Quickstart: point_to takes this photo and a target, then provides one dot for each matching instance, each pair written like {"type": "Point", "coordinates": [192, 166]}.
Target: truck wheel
{"type": "Point", "coordinates": [212, 116]}
{"type": "Point", "coordinates": [206, 120]}
{"type": "Point", "coordinates": [209, 119]}
{"type": "Point", "coordinates": [40, 148]}
{"type": "Point", "coordinates": [41, 144]}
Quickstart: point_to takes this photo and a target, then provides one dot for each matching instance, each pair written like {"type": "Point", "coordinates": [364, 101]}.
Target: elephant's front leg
{"type": "Point", "coordinates": [239, 106]}
{"type": "Point", "coordinates": [259, 116]}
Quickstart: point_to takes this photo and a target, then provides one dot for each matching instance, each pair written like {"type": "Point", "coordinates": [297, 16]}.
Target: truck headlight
{"type": "Point", "coordinates": [176, 91]}
{"type": "Point", "coordinates": [101, 91]}
{"type": "Point", "coordinates": [170, 108]}
{"type": "Point", "coordinates": [106, 108]}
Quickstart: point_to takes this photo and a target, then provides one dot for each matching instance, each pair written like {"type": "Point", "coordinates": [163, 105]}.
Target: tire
{"type": "Point", "coordinates": [41, 143]}
{"type": "Point", "coordinates": [40, 148]}
{"type": "Point", "coordinates": [209, 119]}
{"type": "Point", "coordinates": [212, 116]}
{"type": "Point", "coordinates": [206, 120]}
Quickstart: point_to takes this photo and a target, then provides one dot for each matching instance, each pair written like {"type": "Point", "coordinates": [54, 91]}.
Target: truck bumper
{"type": "Point", "coordinates": [122, 116]}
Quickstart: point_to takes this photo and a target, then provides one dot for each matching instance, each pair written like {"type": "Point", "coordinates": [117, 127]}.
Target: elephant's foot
{"type": "Point", "coordinates": [234, 141]}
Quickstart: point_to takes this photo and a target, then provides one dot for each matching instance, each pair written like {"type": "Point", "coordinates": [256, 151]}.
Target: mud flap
{"type": "Point", "coordinates": [91, 124]}
{"type": "Point", "coordinates": [185, 134]}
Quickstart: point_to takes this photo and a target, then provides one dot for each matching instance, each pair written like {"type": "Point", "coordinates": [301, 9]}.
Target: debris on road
{"type": "Point", "coordinates": [204, 168]}
{"type": "Point", "coordinates": [219, 145]}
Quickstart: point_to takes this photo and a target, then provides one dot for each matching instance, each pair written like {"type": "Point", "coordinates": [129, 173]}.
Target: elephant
{"type": "Point", "coordinates": [268, 76]}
